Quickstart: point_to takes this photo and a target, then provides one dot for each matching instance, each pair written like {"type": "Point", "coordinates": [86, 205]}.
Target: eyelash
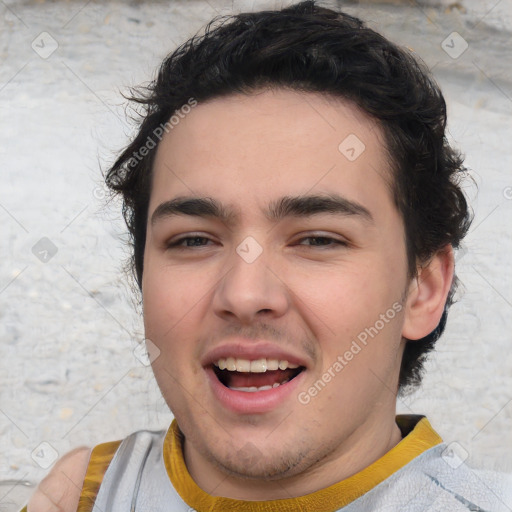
{"type": "Point", "coordinates": [176, 244]}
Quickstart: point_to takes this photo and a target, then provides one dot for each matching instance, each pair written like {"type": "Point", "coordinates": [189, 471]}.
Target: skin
{"type": "Point", "coordinates": [245, 151]}
{"type": "Point", "coordinates": [60, 490]}
{"type": "Point", "coordinates": [309, 298]}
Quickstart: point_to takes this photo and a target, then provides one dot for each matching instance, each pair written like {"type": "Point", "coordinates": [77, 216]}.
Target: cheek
{"type": "Point", "coordinates": [343, 295]}
{"type": "Point", "coordinates": [171, 311]}
{"type": "Point", "coordinates": [169, 301]}
{"type": "Point", "coordinates": [347, 304]}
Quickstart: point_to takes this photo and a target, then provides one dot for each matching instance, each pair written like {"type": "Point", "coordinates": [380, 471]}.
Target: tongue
{"type": "Point", "coordinates": [247, 379]}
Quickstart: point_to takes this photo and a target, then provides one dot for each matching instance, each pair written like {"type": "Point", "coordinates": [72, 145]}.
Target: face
{"type": "Point", "coordinates": [307, 289]}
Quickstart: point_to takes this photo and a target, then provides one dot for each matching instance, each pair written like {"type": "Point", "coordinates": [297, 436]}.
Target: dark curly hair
{"type": "Point", "coordinates": [309, 48]}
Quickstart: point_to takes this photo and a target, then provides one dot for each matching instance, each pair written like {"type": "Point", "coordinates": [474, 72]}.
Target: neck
{"type": "Point", "coordinates": [363, 447]}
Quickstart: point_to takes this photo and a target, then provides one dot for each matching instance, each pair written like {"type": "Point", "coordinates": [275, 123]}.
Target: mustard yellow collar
{"type": "Point", "coordinates": [418, 434]}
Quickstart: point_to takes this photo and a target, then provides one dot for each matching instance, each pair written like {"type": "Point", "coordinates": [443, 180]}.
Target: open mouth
{"type": "Point", "coordinates": [255, 381]}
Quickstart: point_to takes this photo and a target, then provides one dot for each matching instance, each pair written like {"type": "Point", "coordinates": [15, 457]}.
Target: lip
{"type": "Point", "coordinates": [250, 349]}
{"type": "Point", "coordinates": [243, 402]}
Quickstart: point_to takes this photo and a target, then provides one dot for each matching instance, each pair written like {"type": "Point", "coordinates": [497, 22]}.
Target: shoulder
{"type": "Point", "coordinates": [438, 479]}
{"type": "Point", "coordinates": [452, 480]}
{"type": "Point", "coordinates": [100, 459]}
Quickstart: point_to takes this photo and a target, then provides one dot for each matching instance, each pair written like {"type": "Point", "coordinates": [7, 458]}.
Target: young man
{"type": "Point", "coordinates": [294, 206]}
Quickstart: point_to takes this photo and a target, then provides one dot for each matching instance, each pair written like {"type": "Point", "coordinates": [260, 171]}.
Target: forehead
{"type": "Point", "coordinates": [248, 149]}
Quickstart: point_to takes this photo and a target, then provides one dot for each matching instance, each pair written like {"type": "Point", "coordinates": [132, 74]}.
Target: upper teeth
{"type": "Point", "coordinates": [257, 366]}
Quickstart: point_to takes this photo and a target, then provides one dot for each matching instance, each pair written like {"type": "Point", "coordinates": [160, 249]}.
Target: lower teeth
{"type": "Point", "coordinates": [253, 389]}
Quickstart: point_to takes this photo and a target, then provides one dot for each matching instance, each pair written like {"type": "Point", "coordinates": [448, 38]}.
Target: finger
{"type": "Point", "coordinates": [60, 490]}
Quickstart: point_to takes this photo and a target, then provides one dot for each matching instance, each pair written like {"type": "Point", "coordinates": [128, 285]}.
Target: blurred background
{"type": "Point", "coordinates": [70, 323]}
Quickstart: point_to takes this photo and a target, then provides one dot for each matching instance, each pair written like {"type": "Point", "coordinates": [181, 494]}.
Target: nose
{"type": "Point", "coordinates": [251, 287]}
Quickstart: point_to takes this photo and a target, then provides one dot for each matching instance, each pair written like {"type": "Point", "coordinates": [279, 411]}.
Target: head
{"type": "Point", "coordinates": [277, 104]}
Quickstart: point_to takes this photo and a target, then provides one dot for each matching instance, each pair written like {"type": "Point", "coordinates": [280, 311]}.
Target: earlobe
{"type": "Point", "coordinates": [427, 295]}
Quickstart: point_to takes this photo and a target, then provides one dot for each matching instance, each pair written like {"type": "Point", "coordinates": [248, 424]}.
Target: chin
{"type": "Point", "coordinates": [249, 463]}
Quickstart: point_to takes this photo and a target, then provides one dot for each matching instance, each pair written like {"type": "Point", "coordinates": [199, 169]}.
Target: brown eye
{"type": "Point", "coordinates": [323, 241]}
{"type": "Point", "coordinates": [195, 242]}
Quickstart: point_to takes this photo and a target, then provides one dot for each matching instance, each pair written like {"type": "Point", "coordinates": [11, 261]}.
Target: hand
{"type": "Point", "coordinates": [60, 490]}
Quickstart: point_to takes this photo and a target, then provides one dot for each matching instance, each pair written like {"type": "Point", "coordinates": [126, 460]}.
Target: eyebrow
{"type": "Point", "coordinates": [287, 206]}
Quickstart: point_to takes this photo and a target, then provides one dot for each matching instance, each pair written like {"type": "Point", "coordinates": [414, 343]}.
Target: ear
{"type": "Point", "coordinates": [427, 295]}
